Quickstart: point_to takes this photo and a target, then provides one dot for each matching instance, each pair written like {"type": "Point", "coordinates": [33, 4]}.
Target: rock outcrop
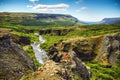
{"type": "Point", "coordinates": [105, 49]}
{"type": "Point", "coordinates": [22, 40]}
{"type": "Point", "coordinates": [110, 49]}
{"type": "Point", "coordinates": [70, 61]}
{"type": "Point", "coordinates": [14, 61]}
{"type": "Point", "coordinates": [49, 71]}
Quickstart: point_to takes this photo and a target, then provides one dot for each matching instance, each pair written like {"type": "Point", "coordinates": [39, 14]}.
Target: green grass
{"type": "Point", "coordinates": [100, 72]}
{"type": "Point", "coordinates": [95, 30]}
{"type": "Point", "coordinates": [50, 40]}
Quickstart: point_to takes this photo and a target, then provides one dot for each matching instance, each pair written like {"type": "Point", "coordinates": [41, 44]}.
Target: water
{"type": "Point", "coordinates": [40, 54]}
{"type": "Point", "coordinates": [41, 39]}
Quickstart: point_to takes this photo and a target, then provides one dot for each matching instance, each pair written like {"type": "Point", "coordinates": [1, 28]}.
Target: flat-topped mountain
{"type": "Point", "coordinates": [39, 19]}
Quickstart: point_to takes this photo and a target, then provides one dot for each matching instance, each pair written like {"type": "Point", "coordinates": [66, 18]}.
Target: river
{"type": "Point", "coordinates": [40, 54]}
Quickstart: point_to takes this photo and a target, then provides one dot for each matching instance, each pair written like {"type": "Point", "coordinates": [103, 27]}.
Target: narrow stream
{"type": "Point", "coordinates": [40, 54]}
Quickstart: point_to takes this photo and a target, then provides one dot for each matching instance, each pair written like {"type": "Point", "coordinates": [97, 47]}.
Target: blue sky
{"type": "Point", "coordinates": [85, 10]}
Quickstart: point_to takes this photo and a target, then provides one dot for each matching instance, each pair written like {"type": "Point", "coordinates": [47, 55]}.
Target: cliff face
{"type": "Point", "coordinates": [110, 49]}
{"type": "Point", "coordinates": [14, 61]}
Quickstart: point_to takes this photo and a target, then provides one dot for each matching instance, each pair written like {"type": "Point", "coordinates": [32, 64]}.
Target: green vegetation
{"type": "Point", "coordinates": [95, 30]}
{"type": "Point", "coordinates": [31, 36]}
{"type": "Point", "coordinates": [50, 40]}
{"type": "Point", "coordinates": [100, 72]}
{"type": "Point", "coordinates": [76, 77]}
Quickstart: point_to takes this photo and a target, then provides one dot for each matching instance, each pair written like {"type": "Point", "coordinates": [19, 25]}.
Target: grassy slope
{"type": "Point", "coordinates": [100, 72]}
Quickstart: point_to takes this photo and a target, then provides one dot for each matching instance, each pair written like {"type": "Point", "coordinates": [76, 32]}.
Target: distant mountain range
{"type": "Point", "coordinates": [106, 21]}
{"type": "Point", "coordinates": [109, 20]}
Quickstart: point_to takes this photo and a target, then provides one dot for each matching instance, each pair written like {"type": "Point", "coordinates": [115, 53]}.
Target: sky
{"type": "Point", "coordinates": [84, 10]}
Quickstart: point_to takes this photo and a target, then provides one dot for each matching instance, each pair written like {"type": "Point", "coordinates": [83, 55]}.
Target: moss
{"type": "Point", "coordinates": [76, 77]}
{"type": "Point", "coordinates": [2, 73]}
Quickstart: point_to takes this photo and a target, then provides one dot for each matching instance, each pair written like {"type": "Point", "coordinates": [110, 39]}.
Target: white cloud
{"type": "Point", "coordinates": [57, 6]}
{"type": "Point", "coordinates": [48, 8]}
{"type": "Point", "coordinates": [29, 6]}
{"type": "Point", "coordinates": [79, 1]}
{"type": "Point", "coordinates": [33, 0]}
{"type": "Point", "coordinates": [81, 9]}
